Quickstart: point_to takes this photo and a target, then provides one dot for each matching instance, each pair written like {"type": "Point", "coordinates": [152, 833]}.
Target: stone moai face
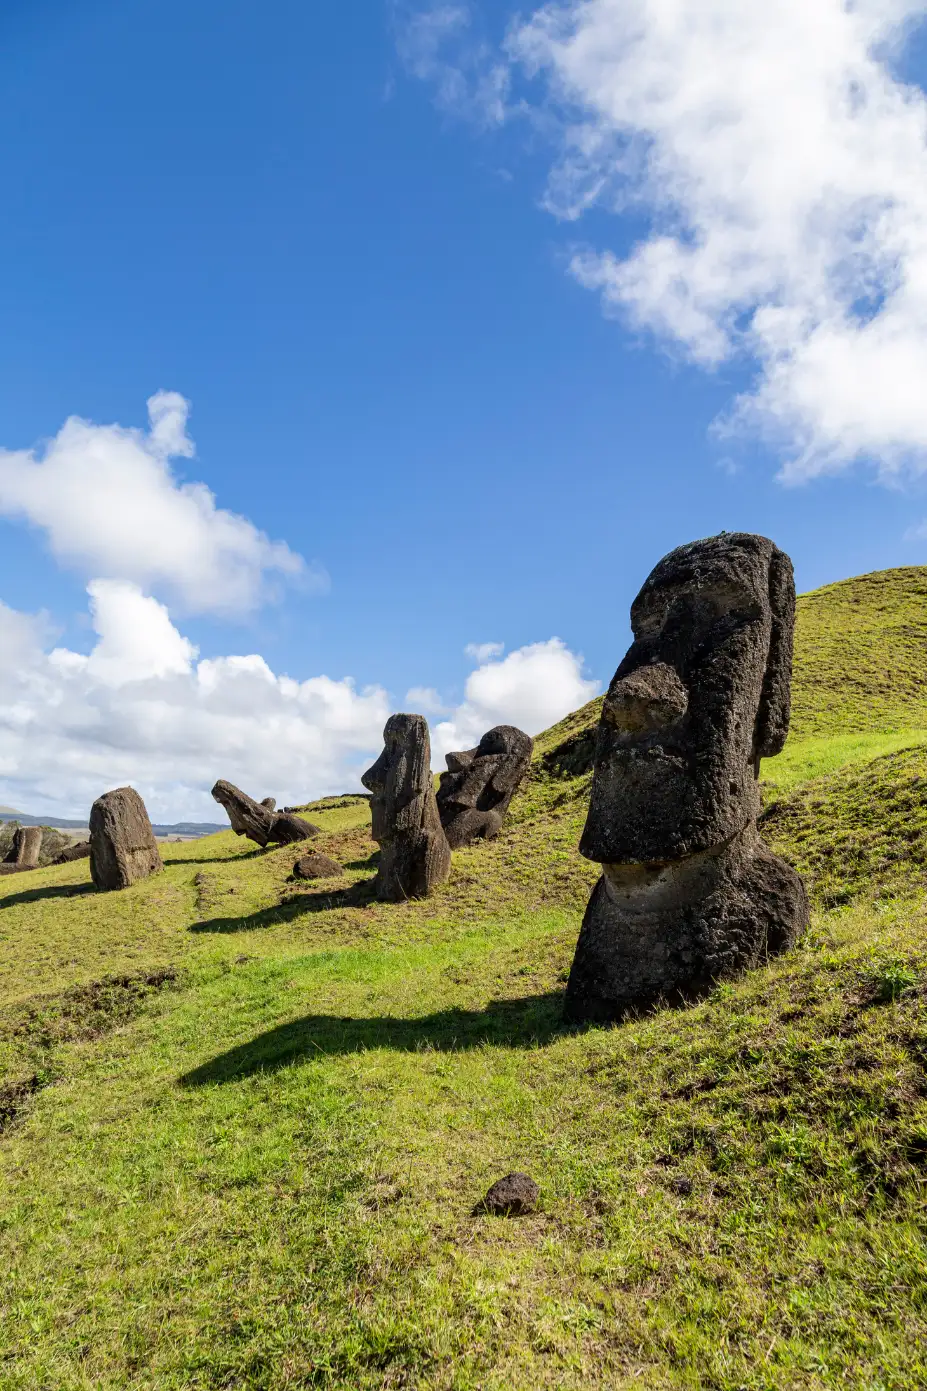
{"type": "Point", "coordinates": [414, 853]}
{"type": "Point", "coordinates": [479, 784]}
{"type": "Point", "coordinates": [701, 696]}
{"type": "Point", "coordinates": [689, 893]}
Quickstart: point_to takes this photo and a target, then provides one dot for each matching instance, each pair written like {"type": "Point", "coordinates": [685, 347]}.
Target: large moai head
{"type": "Point", "coordinates": [414, 853]}
{"type": "Point", "coordinates": [701, 696]}
{"type": "Point", "coordinates": [475, 792]}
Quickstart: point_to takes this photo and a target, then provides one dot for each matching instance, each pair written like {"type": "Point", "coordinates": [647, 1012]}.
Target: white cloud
{"type": "Point", "coordinates": [475, 84]}
{"type": "Point", "coordinates": [482, 651]}
{"type": "Point", "coordinates": [424, 700]}
{"type": "Point", "coordinates": [532, 688]}
{"type": "Point", "coordinates": [784, 168]}
{"type": "Point", "coordinates": [141, 709]}
{"type": "Point", "coordinates": [111, 505]}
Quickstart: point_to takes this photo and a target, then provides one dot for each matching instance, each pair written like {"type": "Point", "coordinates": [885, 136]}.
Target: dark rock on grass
{"type": "Point", "coordinates": [316, 866]}
{"type": "Point", "coordinates": [80, 851]}
{"type": "Point", "coordinates": [287, 829]}
{"type": "Point", "coordinates": [475, 792]}
{"type": "Point", "coordinates": [16, 869]}
{"type": "Point", "coordinates": [689, 894]}
{"type": "Point", "coordinates": [516, 1195]}
{"type": "Point", "coordinates": [123, 848]}
{"type": "Point", "coordinates": [414, 854]}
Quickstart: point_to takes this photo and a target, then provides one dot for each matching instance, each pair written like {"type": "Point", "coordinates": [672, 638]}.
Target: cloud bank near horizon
{"type": "Point", "coordinates": [781, 164]}
{"type": "Point", "coordinates": [143, 708]}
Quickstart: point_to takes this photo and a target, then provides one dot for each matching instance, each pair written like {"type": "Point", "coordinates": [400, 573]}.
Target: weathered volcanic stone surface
{"type": "Point", "coordinates": [248, 817]}
{"type": "Point", "coordinates": [316, 866]}
{"type": "Point", "coordinates": [516, 1195]}
{"type": "Point", "coordinates": [414, 854]}
{"type": "Point", "coordinates": [80, 851]}
{"type": "Point", "coordinates": [689, 893]}
{"type": "Point", "coordinates": [258, 820]}
{"type": "Point", "coordinates": [288, 828]}
{"type": "Point", "coordinates": [123, 848]}
{"type": "Point", "coordinates": [26, 847]}
{"type": "Point", "coordinates": [475, 792]}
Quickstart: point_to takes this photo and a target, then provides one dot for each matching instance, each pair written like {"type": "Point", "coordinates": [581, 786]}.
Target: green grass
{"type": "Point", "coordinates": [245, 1121]}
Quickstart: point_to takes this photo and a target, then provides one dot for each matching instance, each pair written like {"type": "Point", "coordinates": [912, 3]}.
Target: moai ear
{"type": "Point", "coordinates": [772, 720]}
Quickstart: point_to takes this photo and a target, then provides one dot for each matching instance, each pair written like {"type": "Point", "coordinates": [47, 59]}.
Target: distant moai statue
{"type": "Point", "coordinates": [475, 792]}
{"type": "Point", "coordinates": [414, 854]}
{"type": "Point", "coordinates": [689, 893]}
{"type": "Point", "coordinates": [26, 847]}
{"type": "Point", "coordinates": [123, 848]}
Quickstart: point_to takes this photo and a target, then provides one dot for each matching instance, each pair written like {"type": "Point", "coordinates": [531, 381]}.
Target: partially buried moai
{"type": "Point", "coordinates": [414, 854]}
{"type": "Point", "coordinates": [475, 792]}
{"type": "Point", "coordinates": [123, 848]}
{"type": "Point", "coordinates": [689, 893]}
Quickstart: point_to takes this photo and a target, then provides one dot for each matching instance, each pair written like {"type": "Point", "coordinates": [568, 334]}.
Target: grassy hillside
{"type": "Point", "coordinates": [245, 1121]}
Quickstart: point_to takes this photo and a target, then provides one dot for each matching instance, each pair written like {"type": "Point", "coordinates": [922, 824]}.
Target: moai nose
{"type": "Point", "coordinates": [646, 700]}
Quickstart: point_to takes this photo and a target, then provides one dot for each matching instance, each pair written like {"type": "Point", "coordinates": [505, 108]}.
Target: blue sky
{"type": "Point", "coordinates": [314, 224]}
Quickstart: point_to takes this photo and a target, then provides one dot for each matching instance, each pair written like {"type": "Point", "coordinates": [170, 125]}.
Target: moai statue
{"type": "Point", "coordinates": [258, 820]}
{"type": "Point", "coordinates": [123, 848]}
{"type": "Point", "coordinates": [414, 854]}
{"type": "Point", "coordinates": [475, 792]}
{"type": "Point", "coordinates": [689, 893]}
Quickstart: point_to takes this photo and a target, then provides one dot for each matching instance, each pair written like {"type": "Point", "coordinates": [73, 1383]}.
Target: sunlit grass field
{"type": "Point", "coordinates": [245, 1120]}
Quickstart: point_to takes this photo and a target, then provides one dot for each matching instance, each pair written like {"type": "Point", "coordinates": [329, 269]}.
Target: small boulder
{"type": "Point", "coordinates": [269, 802]}
{"type": "Point", "coordinates": [316, 866]}
{"type": "Point", "coordinates": [123, 848]}
{"type": "Point", "coordinates": [516, 1195]}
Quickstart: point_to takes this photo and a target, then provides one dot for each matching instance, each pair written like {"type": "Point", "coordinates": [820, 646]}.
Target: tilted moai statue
{"type": "Point", "coordinates": [123, 848]}
{"type": "Point", "coordinates": [475, 792]}
{"type": "Point", "coordinates": [414, 854]}
{"type": "Point", "coordinates": [689, 893]}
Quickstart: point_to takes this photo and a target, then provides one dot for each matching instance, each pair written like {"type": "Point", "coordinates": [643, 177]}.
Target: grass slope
{"type": "Point", "coordinates": [244, 1121]}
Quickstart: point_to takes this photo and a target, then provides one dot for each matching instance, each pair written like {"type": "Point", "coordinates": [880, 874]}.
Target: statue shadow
{"type": "Point", "coordinates": [219, 859]}
{"type": "Point", "coordinates": [50, 891]}
{"type": "Point", "coordinates": [526, 1023]}
{"type": "Point", "coordinates": [294, 906]}
{"type": "Point", "coordinates": [371, 862]}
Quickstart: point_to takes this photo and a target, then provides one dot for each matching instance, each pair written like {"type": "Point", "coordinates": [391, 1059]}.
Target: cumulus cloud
{"type": "Point", "coordinates": [784, 168]}
{"type": "Point", "coordinates": [781, 165]}
{"type": "Point", "coordinates": [141, 709]}
{"type": "Point", "coordinates": [111, 505]}
{"type": "Point", "coordinates": [532, 688]}
{"type": "Point", "coordinates": [424, 700]}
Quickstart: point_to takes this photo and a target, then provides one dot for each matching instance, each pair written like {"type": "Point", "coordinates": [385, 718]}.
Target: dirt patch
{"type": "Point", "coordinates": [86, 1011]}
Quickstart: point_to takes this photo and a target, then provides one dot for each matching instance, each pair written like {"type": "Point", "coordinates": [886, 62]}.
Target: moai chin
{"type": "Point", "coordinates": [689, 893]}
{"type": "Point", "coordinates": [475, 792]}
{"type": "Point", "coordinates": [414, 854]}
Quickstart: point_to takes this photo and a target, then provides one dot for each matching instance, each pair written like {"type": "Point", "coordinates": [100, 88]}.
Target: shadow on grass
{"type": "Point", "coordinates": [50, 891]}
{"type": "Point", "coordinates": [295, 906]}
{"type": "Point", "coordinates": [524, 1023]}
{"type": "Point", "coordinates": [219, 859]}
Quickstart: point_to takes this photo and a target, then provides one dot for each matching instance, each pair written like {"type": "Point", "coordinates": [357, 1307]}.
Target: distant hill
{"type": "Point", "coordinates": [61, 823]}
{"type": "Point", "coordinates": [860, 663]}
